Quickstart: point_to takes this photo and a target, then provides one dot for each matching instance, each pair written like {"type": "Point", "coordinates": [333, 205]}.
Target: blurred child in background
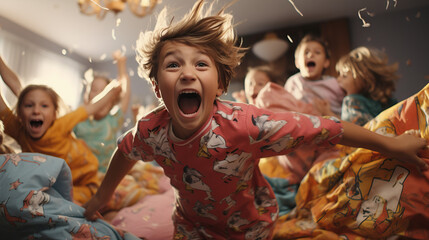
{"type": "Point", "coordinates": [312, 57]}
{"type": "Point", "coordinates": [101, 130]}
{"type": "Point", "coordinates": [261, 90]}
{"type": "Point", "coordinates": [369, 82]}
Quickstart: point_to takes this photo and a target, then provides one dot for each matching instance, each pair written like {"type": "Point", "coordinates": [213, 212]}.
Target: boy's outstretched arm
{"type": "Point", "coordinates": [405, 147]}
{"type": "Point", "coordinates": [119, 166]}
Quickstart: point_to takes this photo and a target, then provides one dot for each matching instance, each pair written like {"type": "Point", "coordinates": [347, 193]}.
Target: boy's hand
{"type": "Point", "coordinates": [91, 209]}
{"type": "Point", "coordinates": [323, 106]}
{"type": "Point", "coordinates": [409, 147]}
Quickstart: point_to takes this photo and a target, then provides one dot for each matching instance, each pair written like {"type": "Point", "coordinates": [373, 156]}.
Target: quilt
{"type": "Point", "coordinates": [36, 202]}
{"type": "Point", "coordinates": [364, 195]}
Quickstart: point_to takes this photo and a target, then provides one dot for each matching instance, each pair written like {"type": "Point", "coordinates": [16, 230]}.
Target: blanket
{"type": "Point", "coordinates": [364, 195]}
{"type": "Point", "coordinates": [36, 202]}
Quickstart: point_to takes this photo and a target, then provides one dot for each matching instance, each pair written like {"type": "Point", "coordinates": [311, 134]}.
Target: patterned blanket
{"type": "Point", "coordinates": [36, 202]}
{"type": "Point", "coordinates": [364, 195]}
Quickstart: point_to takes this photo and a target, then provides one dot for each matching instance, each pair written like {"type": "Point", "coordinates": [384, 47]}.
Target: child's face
{"type": "Point", "coordinates": [348, 83]}
{"type": "Point", "coordinates": [253, 83]}
{"type": "Point", "coordinates": [311, 60]}
{"type": "Point", "coordinates": [97, 86]}
{"type": "Point", "coordinates": [188, 84]}
{"type": "Point", "coordinates": [37, 113]}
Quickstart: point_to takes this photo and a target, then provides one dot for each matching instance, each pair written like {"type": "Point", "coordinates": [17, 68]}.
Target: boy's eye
{"type": "Point", "coordinates": [201, 64]}
{"type": "Point", "coordinates": [28, 105]}
{"type": "Point", "coordinates": [172, 65]}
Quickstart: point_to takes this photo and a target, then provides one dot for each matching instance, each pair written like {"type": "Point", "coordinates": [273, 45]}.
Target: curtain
{"type": "Point", "coordinates": [36, 65]}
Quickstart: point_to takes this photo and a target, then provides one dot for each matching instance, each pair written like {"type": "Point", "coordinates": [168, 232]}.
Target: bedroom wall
{"type": "Point", "coordinates": [404, 36]}
{"type": "Point", "coordinates": [37, 60]}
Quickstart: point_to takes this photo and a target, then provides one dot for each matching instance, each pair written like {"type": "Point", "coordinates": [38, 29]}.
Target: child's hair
{"type": "Point", "coordinates": [313, 38]}
{"type": "Point", "coordinates": [213, 34]}
{"type": "Point", "coordinates": [370, 67]}
{"type": "Point", "coordinates": [265, 69]}
{"type": "Point", "coordinates": [56, 99]}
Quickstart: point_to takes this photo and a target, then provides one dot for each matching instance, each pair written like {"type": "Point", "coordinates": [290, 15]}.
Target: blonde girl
{"type": "Point", "coordinates": [368, 81]}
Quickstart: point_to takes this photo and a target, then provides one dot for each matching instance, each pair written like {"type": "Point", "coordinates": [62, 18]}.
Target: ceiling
{"type": "Point", "coordinates": [61, 22]}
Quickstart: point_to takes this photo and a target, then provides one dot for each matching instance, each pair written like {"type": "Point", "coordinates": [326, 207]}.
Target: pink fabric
{"type": "Point", "coordinates": [326, 88]}
{"type": "Point", "coordinates": [275, 98]}
{"type": "Point", "coordinates": [150, 218]}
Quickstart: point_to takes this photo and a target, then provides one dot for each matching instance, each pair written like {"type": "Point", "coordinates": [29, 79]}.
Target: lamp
{"type": "Point", "coordinates": [140, 8]}
{"type": "Point", "coordinates": [270, 48]}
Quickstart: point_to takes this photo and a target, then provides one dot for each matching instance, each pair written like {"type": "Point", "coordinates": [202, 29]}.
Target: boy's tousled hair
{"type": "Point", "coordinates": [313, 38]}
{"type": "Point", "coordinates": [370, 67]}
{"type": "Point", "coordinates": [211, 33]}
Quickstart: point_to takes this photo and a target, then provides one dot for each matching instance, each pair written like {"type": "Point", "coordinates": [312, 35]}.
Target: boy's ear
{"type": "Point", "coordinates": [157, 92]}
{"type": "Point", "coordinates": [219, 92]}
{"type": "Point", "coordinates": [156, 88]}
{"type": "Point", "coordinates": [326, 63]}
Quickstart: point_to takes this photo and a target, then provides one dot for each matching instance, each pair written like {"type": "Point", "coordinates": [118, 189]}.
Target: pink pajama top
{"type": "Point", "coordinates": [220, 191]}
{"type": "Point", "coordinates": [326, 88]}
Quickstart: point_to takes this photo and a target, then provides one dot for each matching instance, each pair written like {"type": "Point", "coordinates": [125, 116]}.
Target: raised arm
{"type": "Point", "coordinates": [10, 78]}
{"type": "Point", "coordinates": [405, 147]}
{"type": "Point", "coordinates": [124, 80]}
{"type": "Point", "coordinates": [119, 166]}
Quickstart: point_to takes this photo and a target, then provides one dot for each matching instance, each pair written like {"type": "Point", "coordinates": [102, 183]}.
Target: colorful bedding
{"type": "Point", "coordinates": [150, 218]}
{"type": "Point", "coordinates": [36, 202]}
{"type": "Point", "coordinates": [364, 195]}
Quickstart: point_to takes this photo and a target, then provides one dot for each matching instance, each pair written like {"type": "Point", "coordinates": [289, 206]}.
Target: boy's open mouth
{"type": "Point", "coordinates": [189, 102]}
{"type": "Point", "coordinates": [36, 123]}
{"type": "Point", "coordinates": [311, 64]}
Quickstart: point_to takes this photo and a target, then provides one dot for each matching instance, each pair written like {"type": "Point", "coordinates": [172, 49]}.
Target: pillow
{"type": "Point", "coordinates": [36, 201]}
